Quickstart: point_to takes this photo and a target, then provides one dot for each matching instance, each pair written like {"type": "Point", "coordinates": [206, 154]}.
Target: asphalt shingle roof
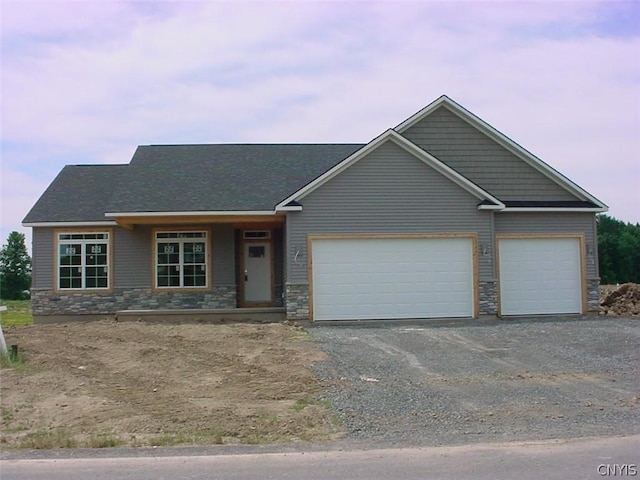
{"type": "Point", "coordinates": [78, 194]}
{"type": "Point", "coordinates": [187, 178]}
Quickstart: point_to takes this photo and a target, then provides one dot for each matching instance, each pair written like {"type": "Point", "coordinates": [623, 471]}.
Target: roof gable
{"type": "Point", "coordinates": [486, 200]}
{"type": "Point", "coordinates": [484, 128]}
{"type": "Point", "coordinates": [222, 179]}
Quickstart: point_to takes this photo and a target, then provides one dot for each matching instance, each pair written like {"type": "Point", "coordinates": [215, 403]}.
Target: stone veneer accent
{"type": "Point", "coordinates": [488, 297]}
{"type": "Point", "coordinates": [593, 295]}
{"type": "Point", "coordinates": [297, 301]}
{"type": "Point", "coordinates": [47, 302]}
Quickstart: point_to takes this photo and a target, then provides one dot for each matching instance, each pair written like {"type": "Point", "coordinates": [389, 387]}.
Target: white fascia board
{"type": "Point", "coordinates": [190, 214]}
{"type": "Point", "coordinates": [416, 117]}
{"type": "Point", "coordinates": [291, 208]}
{"type": "Point", "coordinates": [69, 224]}
{"type": "Point", "coordinates": [555, 209]}
{"type": "Point", "coordinates": [491, 207]}
{"type": "Point", "coordinates": [503, 140]}
{"type": "Point", "coordinates": [329, 174]}
{"type": "Point", "coordinates": [408, 146]}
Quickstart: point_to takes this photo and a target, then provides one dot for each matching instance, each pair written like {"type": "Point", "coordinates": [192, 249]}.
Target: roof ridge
{"type": "Point", "coordinates": [259, 144]}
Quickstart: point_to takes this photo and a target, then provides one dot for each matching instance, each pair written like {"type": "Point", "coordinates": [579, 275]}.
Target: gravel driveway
{"type": "Point", "coordinates": [483, 381]}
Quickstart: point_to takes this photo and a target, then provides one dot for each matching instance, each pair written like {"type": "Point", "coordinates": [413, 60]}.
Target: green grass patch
{"type": "Point", "coordinates": [203, 437]}
{"type": "Point", "coordinates": [306, 402]}
{"type": "Point", "coordinates": [48, 439]}
{"type": "Point", "coordinates": [104, 440]}
{"type": "Point", "coordinates": [18, 313]}
{"type": "Point", "coordinates": [13, 360]}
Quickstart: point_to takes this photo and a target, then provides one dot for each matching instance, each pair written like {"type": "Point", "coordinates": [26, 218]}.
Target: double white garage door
{"type": "Point", "coordinates": [389, 278]}
{"type": "Point", "coordinates": [433, 277]}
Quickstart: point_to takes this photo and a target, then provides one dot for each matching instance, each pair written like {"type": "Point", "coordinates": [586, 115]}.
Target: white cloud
{"type": "Point", "coordinates": [86, 82]}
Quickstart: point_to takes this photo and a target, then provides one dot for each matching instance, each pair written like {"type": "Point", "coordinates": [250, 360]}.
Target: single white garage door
{"type": "Point", "coordinates": [540, 276]}
{"type": "Point", "coordinates": [391, 278]}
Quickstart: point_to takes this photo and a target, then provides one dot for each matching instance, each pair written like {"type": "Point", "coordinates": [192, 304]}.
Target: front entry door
{"type": "Point", "coordinates": [257, 272]}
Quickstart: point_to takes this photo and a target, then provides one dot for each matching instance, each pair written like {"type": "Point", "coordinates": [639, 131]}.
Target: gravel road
{"type": "Point", "coordinates": [446, 383]}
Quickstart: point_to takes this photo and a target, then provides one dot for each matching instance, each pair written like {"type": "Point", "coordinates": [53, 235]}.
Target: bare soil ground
{"type": "Point", "coordinates": [106, 383]}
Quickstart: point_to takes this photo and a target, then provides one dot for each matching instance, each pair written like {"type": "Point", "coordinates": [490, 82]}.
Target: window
{"type": "Point", "coordinates": [256, 234]}
{"type": "Point", "coordinates": [181, 259]}
{"type": "Point", "coordinates": [83, 261]}
{"type": "Point", "coordinates": [256, 252]}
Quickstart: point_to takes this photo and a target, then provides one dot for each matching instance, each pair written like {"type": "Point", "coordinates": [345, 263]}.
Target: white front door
{"type": "Point", "coordinates": [257, 272]}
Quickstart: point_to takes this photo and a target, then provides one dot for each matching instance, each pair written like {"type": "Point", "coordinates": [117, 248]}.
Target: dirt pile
{"type": "Point", "coordinates": [623, 300]}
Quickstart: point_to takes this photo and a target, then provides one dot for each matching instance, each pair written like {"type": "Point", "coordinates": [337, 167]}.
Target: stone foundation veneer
{"type": "Point", "coordinates": [593, 295]}
{"type": "Point", "coordinates": [47, 302]}
{"type": "Point", "coordinates": [488, 297]}
{"type": "Point", "coordinates": [297, 301]}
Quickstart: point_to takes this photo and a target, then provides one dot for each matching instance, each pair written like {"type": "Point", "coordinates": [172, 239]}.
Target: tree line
{"type": "Point", "coordinates": [15, 268]}
{"type": "Point", "coordinates": [618, 251]}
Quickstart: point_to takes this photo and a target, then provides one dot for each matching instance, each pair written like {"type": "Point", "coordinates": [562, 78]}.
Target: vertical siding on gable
{"type": "Point", "coordinates": [523, 223]}
{"type": "Point", "coordinates": [482, 160]}
{"type": "Point", "coordinates": [42, 258]}
{"type": "Point", "coordinates": [388, 191]}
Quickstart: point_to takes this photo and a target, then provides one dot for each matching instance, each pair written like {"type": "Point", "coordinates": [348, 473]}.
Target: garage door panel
{"type": "Point", "coordinates": [540, 276]}
{"type": "Point", "coordinates": [369, 278]}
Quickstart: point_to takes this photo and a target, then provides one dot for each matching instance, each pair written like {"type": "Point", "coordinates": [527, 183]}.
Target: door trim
{"type": "Point", "coordinates": [241, 261]}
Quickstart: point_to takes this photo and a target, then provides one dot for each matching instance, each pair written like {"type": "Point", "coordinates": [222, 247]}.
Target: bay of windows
{"type": "Point", "coordinates": [181, 259]}
{"type": "Point", "coordinates": [83, 261]}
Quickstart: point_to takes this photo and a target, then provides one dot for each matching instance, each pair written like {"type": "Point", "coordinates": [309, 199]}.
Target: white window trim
{"type": "Point", "coordinates": [83, 265]}
{"type": "Point", "coordinates": [204, 239]}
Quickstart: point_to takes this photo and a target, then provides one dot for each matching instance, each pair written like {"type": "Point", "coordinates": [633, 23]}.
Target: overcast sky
{"type": "Point", "coordinates": [85, 82]}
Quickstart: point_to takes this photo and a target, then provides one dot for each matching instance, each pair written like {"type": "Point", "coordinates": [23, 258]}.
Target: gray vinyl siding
{"type": "Point", "coordinates": [482, 160]}
{"type": "Point", "coordinates": [522, 223]}
{"type": "Point", "coordinates": [223, 254]}
{"type": "Point", "coordinates": [278, 256]}
{"type": "Point", "coordinates": [42, 258]}
{"type": "Point", "coordinates": [132, 257]}
{"type": "Point", "coordinates": [388, 191]}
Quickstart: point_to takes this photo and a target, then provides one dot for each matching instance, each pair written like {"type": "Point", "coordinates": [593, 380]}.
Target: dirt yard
{"type": "Point", "coordinates": [620, 300]}
{"type": "Point", "coordinates": [106, 383]}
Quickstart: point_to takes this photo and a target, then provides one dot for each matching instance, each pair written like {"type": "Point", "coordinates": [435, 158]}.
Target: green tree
{"type": "Point", "coordinates": [618, 250]}
{"type": "Point", "coordinates": [15, 268]}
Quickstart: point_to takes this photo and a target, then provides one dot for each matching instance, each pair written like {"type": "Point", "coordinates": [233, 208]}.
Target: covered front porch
{"type": "Point", "coordinates": [241, 256]}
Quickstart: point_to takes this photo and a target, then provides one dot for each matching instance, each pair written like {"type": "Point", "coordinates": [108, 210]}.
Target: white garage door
{"type": "Point", "coordinates": [392, 278]}
{"type": "Point", "coordinates": [540, 276]}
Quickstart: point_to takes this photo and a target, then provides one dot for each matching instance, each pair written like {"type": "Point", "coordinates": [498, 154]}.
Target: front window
{"type": "Point", "coordinates": [83, 261]}
{"type": "Point", "coordinates": [181, 259]}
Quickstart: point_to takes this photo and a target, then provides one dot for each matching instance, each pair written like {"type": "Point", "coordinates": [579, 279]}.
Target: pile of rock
{"type": "Point", "coordinates": [623, 301]}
